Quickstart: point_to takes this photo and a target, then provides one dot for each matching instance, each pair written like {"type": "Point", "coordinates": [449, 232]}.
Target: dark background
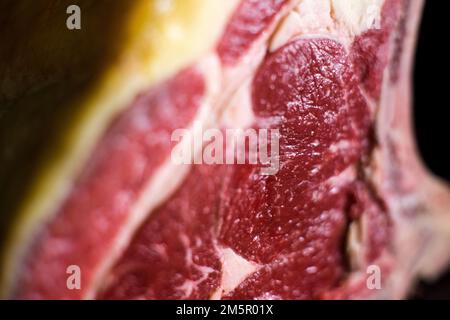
{"type": "Point", "coordinates": [432, 124]}
{"type": "Point", "coordinates": [431, 88]}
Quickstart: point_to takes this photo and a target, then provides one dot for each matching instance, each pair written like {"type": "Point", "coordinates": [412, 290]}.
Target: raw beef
{"type": "Point", "coordinates": [349, 196]}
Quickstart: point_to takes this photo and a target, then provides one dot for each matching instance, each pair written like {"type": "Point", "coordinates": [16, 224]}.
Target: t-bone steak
{"type": "Point", "coordinates": [89, 184]}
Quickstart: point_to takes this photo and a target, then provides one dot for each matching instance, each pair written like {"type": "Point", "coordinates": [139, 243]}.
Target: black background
{"type": "Point", "coordinates": [150, 310]}
{"type": "Point", "coordinates": [431, 116]}
{"type": "Point", "coordinates": [432, 91]}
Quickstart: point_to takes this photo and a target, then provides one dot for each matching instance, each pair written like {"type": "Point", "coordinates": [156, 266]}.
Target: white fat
{"type": "Point", "coordinates": [212, 71]}
{"type": "Point", "coordinates": [358, 15]}
{"type": "Point", "coordinates": [239, 113]}
{"type": "Point", "coordinates": [235, 269]}
{"type": "Point", "coordinates": [189, 286]}
{"type": "Point", "coordinates": [288, 29]}
{"type": "Point", "coordinates": [315, 16]}
{"type": "Point", "coordinates": [337, 19]}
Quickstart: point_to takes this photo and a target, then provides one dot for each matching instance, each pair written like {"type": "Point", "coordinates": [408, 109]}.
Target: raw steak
{"type": "Point", "coordinates": [350, 196]}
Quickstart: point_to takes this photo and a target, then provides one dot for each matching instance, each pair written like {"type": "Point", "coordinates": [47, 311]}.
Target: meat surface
{"type": "Point", "coordinates": [348, 196]}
